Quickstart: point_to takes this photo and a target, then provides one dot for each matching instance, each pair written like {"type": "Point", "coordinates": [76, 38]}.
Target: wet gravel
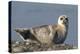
{"type": "Point", "coordinates": [35, 46]}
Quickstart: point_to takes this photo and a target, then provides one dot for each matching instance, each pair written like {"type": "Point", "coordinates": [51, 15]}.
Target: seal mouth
{"type": "Point", "coordinates": [65, 21]}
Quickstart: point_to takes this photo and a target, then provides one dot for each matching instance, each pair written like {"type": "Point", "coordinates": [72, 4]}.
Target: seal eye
{"type": "Point", "coordinates": [61, 18]}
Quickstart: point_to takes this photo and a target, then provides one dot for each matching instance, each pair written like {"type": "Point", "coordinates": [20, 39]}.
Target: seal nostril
{"type": "Point", "coordinates": [66, 19]}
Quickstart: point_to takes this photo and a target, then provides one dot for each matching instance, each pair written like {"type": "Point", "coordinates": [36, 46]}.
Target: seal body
{"type": "Point", "coordinates": [47, 34]}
